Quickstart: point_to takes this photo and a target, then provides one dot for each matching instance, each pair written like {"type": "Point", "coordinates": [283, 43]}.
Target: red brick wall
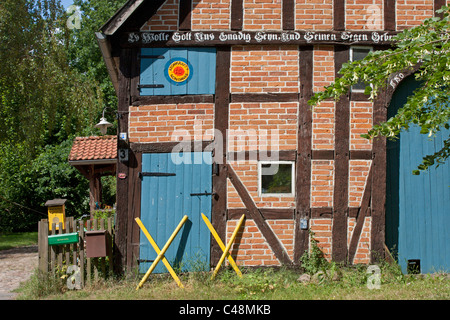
{"type": "Point", "coordinates": [262, 14]}
{"type": "Point", "coordinates": [411, 13]}
{"type": "Point", "coordinates": [322, 183]}
{"type": "Point", "coordinates": [314, 14]}
{"type": "Point", "coordinates": [166, 18]}
{"type": "Point", "coordinates": [309, 15]}
{"type": "Point", "coordinates": [361, 121]}
{"type": "Point", "coordinates": [364, 14]}
{"type": "Point", "coordinates": [263, 126]}
{"type": "Point", "coordinates": [323, 126]}
{"type": "Point", "coordinates": [322, 234]}
{"type": "Point", "coordinates": [264, 69]}
{"type": "Point", "coordinates": [211, 15]}
{"type": "Point", "coordinates": [323, 72]}
{"type": "Point", "coordinates": [160, 123]}
{"type": "Point", "coordinates": [250, 247]}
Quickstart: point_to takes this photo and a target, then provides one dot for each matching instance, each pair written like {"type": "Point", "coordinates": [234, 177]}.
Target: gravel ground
{"type": "Point", "coordinates": [16, 266]}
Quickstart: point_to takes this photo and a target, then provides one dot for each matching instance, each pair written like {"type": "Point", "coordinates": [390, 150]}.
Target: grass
{"type": "Point", "coordinates": [14, 240]}
{"type": "Point", "coordinates": [256, 284]}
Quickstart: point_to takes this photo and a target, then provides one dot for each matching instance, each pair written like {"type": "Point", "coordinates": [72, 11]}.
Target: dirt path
{"type": "Point", "coordinates": [16, 266]}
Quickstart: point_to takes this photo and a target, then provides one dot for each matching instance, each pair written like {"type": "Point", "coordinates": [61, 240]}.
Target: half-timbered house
{"type": "Point", "coordinates": [214, 117]}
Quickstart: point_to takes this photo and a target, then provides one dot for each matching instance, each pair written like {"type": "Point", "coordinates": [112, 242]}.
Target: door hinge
{"type": "Point", "coordinates": [146, 56]}
{"type": "Point", "coordinates": [150, 86]}
{"type": "Point", "coordinates": [144, 261]}
{"type": "Point", "coordinates": [155, 174]}
{"type": "Point", "coordinates": [203, 194]}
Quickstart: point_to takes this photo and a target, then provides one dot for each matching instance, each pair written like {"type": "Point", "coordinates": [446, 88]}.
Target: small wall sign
{"type": "Point", "coordinates": [122, 176]}
{"type": "Point", "coordinates": [123, 155]}
{"type": "Point", "coordinates": [178, 71]}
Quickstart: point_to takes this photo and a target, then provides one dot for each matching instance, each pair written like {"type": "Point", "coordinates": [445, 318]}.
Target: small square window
{"type": "Point", "coordinates": [356, 54]}
{"type": "Point", "coordinates": [276, 178]}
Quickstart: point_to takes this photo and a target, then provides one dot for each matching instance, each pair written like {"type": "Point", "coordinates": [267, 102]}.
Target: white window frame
{"type": "Point", "coordinates": [351, 60]}
{"type": "Point", "coordinates": [261, 194]}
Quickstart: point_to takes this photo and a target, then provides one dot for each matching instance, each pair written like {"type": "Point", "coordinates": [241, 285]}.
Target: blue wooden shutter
{"type": "Point", "coordinates": [155, 63]}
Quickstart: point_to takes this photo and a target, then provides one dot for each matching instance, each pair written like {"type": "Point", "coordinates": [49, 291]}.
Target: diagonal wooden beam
{"type": "Point", "coordinates": [256, 215]}
{"type": "Point", "coordinates": [362, 214]}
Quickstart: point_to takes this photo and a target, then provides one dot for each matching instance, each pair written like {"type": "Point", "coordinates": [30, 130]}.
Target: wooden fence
{"type": "Point", "coordinates": [57, 259]}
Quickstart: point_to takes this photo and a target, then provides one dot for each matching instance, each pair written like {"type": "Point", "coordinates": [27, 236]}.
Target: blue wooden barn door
{"type": "Point", "coordinates": [171, 190]}
{"type": "Point", "coordinates": [417, 206]}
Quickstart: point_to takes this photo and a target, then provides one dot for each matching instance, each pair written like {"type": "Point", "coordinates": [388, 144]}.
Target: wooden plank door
{"type": "Point", "coordinates": [170, 191]}
{"type": "Point", "coordinates": [418, 206]}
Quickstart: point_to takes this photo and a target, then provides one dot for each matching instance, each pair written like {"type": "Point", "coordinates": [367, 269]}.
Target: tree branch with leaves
{"type": "Point", "coordinates": [424, 50]}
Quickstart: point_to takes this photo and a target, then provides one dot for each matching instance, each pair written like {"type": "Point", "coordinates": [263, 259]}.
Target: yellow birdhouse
{"type": "Point", "coordinates": [56, 212]}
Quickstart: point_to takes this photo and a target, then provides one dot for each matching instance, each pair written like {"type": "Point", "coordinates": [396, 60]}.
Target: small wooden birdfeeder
{"type": "Point", "coordinates": [56, 213]}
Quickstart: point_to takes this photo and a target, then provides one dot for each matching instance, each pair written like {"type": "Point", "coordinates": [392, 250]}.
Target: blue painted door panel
{"type": "Point", "coordinates": [201, 64]}
{"type": "Point", "coordinates": [418, 207]}
{"type": "Point", "coordinates": [164, 202]}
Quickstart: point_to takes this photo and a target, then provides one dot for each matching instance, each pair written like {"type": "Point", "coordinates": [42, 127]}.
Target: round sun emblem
{"type": "Point", "coordinates": [178, 71]}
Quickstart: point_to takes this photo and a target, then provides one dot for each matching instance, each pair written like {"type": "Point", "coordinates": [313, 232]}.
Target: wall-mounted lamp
{"type": "Point", "coordinates": [103, 125]}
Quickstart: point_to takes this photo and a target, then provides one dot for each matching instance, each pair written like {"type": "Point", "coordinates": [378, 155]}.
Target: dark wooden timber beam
{"type": "Point", "coordinates": [268, 213]}
{"type": "Point", "coordinates": [438, 4]}
{"type": "Point", "coordinates": [167, 147]}
{"type": "Point", "coordinates": [121, 226]}
{"type": "Point", "coordinates": [148, 39]}
{"type": "Point", "coordinates": [341, 166]}
{"type": "Point", "coordinates": [304, 144]}
{"type": "Point", "coordinates": [139, 16]}
{"type": "Point", "coordinates": [150, 100]}
{"type": "Point", "coordinates": [221, 111]}
{"type": "Point", "coordinates": [134, 209]}
{"type": "Point", "coordinates": [379, 180]}
{"type": "Point", "coordinates": [237, 14]}
{"type": "Point", "coordinates": [288, 14]}
{"type": "Point", "coordinates": [184, 15]}
{"type": "Point", "coordinates": [282, 155]}
{"type": "Point", "coordinates": [339, 15]}
{"type": "Point", "coordinates": [389, 15]}
{"type": "Point", "coordinates": [265, 97]}
{"type": "Point", "coordinates": [256, 215]}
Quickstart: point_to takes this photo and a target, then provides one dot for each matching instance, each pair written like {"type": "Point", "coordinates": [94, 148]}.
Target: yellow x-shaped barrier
{"type": "Point", "coordinates": [226, 253]}
{"type": "Point", "coordinates": [161, 253]}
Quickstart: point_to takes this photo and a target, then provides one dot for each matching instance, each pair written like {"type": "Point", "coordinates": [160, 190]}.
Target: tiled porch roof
{"type": "Point", "coordinates": [94, 148]}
